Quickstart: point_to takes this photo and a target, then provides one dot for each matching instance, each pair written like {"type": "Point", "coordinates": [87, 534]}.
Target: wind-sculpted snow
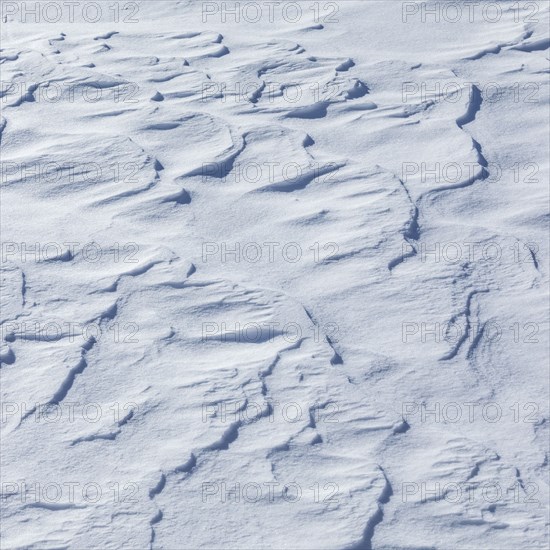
{"type": "Point", "coordinates": [275, 283]}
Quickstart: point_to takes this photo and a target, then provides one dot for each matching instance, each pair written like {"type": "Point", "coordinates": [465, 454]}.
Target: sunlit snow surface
{"type": "Point", "coordinates": [279, 282]}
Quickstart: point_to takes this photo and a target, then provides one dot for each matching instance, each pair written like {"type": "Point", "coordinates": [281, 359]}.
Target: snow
{"type": "Point", "coordinates": [274, 277]}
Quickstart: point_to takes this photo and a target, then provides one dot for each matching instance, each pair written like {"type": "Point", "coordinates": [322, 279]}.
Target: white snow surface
{"type": "Point", "coordinates": [226, 246]}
